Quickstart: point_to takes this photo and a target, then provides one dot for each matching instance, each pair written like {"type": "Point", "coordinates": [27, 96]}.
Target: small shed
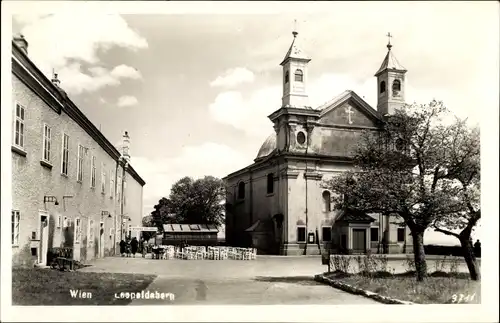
{"type": "Point", "coordinates": [192, 234]}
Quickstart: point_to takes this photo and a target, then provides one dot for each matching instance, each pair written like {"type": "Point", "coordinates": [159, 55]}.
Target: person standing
{"type": "Point", "coordinates": [123, 245]}
{"type": "Point", "coordinates": [134, 244]}
{"type": "Point", "coordinates": [477, 248]}
{"type": "Point", "coordinates": [144, 248]}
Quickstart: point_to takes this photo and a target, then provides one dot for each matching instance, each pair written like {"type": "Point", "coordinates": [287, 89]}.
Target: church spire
{"type": "Point", "coordinates": [295, 76]}
{"type": "Point", "coordinates": [391, 82]}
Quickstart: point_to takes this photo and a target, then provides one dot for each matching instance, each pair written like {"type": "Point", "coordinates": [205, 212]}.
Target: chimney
{"type": "Point", "coordinates": [126, 146]}
{"type": "Point", "coordinates": [21, 43]}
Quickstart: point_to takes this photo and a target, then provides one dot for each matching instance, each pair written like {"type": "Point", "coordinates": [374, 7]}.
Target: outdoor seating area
{"type": "Point", "coordinates": [167, 252]}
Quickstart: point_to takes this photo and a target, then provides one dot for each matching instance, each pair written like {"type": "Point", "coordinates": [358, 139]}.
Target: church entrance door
{"type": "Point", "coordinates": [359, 240]}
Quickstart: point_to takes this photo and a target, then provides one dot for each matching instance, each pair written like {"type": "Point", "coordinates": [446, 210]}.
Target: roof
{"type": "Point", "coordinates": [194, 228]}
{"type": "Point", "coordinates": [350, 216]}
{"type": "Point", "coordinates": [390, 63]}
{"type": "Point", "coordinates": [268, 146]}
{"type": "Point", "coordinates": [295, 51]}
{"type": "Point", "coordinates": [57, 99]}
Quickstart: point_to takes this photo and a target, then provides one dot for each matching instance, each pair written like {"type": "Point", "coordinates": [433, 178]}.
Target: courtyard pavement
{"type": "Point", "coordinates": [265, 281]}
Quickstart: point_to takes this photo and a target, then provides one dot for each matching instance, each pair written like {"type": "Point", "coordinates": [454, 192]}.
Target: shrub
{"type": "Point", "coordinates": [454, 263]}
{"type": "Point", "coordinates": [410, 263]}
{"type": "Point", "coordinates": [440, 264]}
{"type": "Point", "coordinates": [341, 263]}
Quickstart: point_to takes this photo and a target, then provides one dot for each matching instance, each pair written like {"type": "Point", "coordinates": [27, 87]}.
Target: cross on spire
{"type": "Point", "coordinates": [295, 33]}
{"type": "Point", "coordinates": [389, 36]}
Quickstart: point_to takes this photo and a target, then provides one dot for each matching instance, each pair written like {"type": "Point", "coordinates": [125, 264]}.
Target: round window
{"type": "Point", "coordinates": [301, 138]}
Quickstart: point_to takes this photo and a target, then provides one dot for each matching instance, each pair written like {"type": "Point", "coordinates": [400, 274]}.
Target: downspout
{"type": "Point", "coordinates": [114, 201]}
{"type": "Point", "coordinates": [251, 203]}
{"type": "Point", "coordinates": [305, 176]}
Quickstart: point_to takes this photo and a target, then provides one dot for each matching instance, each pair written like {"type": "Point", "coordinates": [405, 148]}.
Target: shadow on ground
{"type": "Point", "coordinates": [300, 280]}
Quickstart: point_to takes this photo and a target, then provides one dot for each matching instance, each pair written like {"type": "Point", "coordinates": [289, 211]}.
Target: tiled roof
{"type": "Point", "coordinates": [295, 51]}
{"type": "Point", "coordinates": [390, 63]}
{"type": "Point", "coordinates": [203, 228]}
{"type": "Point", "coordinates": [354, 216]}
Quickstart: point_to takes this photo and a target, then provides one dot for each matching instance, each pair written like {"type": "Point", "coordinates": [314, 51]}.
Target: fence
{"type": "Point", "coordinates": [204, 253]}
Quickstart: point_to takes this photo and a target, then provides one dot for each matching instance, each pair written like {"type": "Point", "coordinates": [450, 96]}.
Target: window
{"type": "Point", "coordinates": [19, 126]}
{"type": "Point", "coordinates": [241, 190]}
{"type": "Point", "coordinates": [396, 86]}
{"type": "Point", "coordinates": [47, 138]}
{"type": "Point", "coordinates": [65, 154]}
{"type": "Point", "coordinates": [92, 172]}
{"type": "Point", "coordinates": [327, 201]}
{"type": "Point", "coordinates": [103, 179]}
{"type": "Point", "coordinates": [270, 183]}
{"type": "Point", "coordinates": [119, 187]}
{"type": "Point", "coordinates": [91, 232]}
{"type": "Point", "coordinates": [80, 164]}
{"type": "Point", "coordinates": [373, 234]}
{"type": "Point", "coordinates": [401, 234]}
{"type": "Point", "coordinates": [15, 227]}
{"type": "Point", "coordinates": [78, 230]}
{"type": "Point", "coordinates": [301, 234]}
{"type": "Point", "coordinates": [301, 138]}
{"type": "Point", "coordinates": [382, 87]}
{"type": "Point", "coordinates": [326, 234]}
{"type": "Point", "coordinates": [111, 183]}
{"type": "Point", "coordinates": [299, 76]}
{"type": "Point", "coordinates": [287, 77]}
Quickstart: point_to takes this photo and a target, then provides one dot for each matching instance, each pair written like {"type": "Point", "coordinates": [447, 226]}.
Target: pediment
{"type": "Point", "coordinates": [349, 109]}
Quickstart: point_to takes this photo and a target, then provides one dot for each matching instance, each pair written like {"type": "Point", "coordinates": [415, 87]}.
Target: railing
{"type": "Point", "coordinates": [203, 253]}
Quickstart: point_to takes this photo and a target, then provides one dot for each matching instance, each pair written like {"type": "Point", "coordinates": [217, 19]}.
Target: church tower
{"type": "Point", "coordinates": [391, 83]}
{"type": "Point", "coordinates": [295, 76]}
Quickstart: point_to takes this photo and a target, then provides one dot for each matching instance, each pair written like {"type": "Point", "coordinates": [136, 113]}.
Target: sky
{"type": "Point", "coordinates": [194, 89]}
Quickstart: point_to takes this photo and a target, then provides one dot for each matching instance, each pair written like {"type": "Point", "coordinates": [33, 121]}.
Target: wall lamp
{"type": "Point", "coordinates": [104, 213]}
{"type": "Point", "coordinates": [50, 199]}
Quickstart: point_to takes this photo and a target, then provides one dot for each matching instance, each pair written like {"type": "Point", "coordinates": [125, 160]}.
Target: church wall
{"type": "Point", "coordinates": [238, 218]}
{"type": "Point", "coordinates": [334, 141]}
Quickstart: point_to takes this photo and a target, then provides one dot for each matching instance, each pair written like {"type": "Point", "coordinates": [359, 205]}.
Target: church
{"type": "Point", "coordinates": [278, 204]}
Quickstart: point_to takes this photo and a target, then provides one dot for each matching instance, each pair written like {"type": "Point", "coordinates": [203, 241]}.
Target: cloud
{"type": "Point", "coordinates": [233, 77]}
{"type": "Point", "coordinates": [66, 42]}
{"type": "Point", "coordinates": [125, 71]}
{"type": "Point", "coordinates": [196, 161]}
{"type": "Point", "coordinates": [127, 101]}
{"type": "Point", "coordinates": [249, 112]}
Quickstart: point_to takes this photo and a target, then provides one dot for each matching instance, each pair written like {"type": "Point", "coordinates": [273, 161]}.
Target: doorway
{"type": "Point", "coordinates": [44, 239]}
{"type": "Point", "coordinates": [359, 240]}
{"type": "Point", "coordinates": [101, 240]}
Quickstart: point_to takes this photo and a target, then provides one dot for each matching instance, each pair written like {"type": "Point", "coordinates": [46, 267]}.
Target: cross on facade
{"type": "Point", "coordinates": [349, 112]}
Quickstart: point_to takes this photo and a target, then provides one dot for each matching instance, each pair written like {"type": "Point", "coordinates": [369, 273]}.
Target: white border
{"type": "Point", "coordinates": [487, 311]}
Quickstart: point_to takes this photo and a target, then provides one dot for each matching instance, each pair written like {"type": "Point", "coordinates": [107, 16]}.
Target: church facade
{"type": "Point", "coordinates": [278, 204]}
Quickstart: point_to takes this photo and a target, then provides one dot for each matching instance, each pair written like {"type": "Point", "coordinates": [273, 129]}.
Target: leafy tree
{"type": "Point", "coordinates": [162, 214]}
{"type": "Point", "coordinates": [398, 172]}
{"type": "Point", "coordinates": [463, 169]}
{"type": "Point", "coordinates": [198, 201]}
{"type": "Point", "coordinates": [148, 221]}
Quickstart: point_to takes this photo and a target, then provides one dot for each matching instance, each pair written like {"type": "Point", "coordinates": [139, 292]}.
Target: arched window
{"type": "Point", "coordinates": [299, 76]}
{"type": "Point", "coordinates": [241, 190]}
{"type": "Point", "coordinates": [270, 183]}
{"type": "Point", "coordinates": [396, 86]}
{"type": "Point", "coordinates": [287, 77]}
{"type": "Point", "coordinates": [382, 87]}
{"type": "Point", "coordinates": [327, 201]}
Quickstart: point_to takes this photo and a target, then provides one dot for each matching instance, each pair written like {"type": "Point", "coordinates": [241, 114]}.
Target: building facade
{"type": "Point", "coordinates": [71, 188]}
{"type": "Point", "coordinates": [278, 204]}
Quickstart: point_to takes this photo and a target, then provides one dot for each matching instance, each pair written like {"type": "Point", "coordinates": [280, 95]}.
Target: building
{"type": "Point", "coordinates": [192, 234]}
{"type": "Point", "coordinates": [278, 203]}
{"type": "Point", "coordinates": [71, 188]}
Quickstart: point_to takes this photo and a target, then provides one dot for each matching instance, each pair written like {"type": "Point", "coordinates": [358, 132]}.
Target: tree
{"type": "Point", "coordinates": [161, 213]}
{"type": "Point", "coordinates": [198, 201]}
{"type": "Point", "coordinates": [463, 169]}
{"type": "Point", "coordinates": [148, 221]}
{"type": "Point", "coordinates": [397, 172]}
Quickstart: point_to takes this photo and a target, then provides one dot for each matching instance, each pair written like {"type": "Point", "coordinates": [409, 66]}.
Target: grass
{"type": "Point", "coordinates": [438, 288]}
{"type": "Point", "coordinates": [31, 286]}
